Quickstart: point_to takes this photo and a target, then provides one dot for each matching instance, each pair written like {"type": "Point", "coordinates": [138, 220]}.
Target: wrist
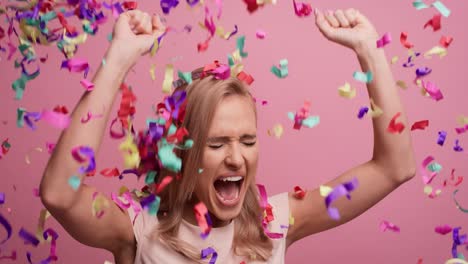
{"type": "Point", "coordinates": [118, 59]}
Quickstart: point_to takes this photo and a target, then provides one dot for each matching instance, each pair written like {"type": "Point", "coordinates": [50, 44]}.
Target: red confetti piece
{"type": "Point", "coordinates": [395, 127]}
{"type": "Point", "coordinates": [299, 193]}
{"type": "Point", "coordinates": [420, 125]}
{"type": "Point", "coordinates": [110, 172]}
{"type": "Point", "coordinates": [245, 77]}
{"type": "Point", "coordinates": [130, 5]}
{"type": "Point", "coordinates": [452, 180]}
{"type": "Point", "coordinates": [404, 40]}
{"type": "Point", "coordinates": [61, 109]}
{"type": "Point", "coordinates": [302, 9]}
{"type": "Point", "coordinates": [434, 22]}
{"type": "Point", "coordinates": [445, 41]}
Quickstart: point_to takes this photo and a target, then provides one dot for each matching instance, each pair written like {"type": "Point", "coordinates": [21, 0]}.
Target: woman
{"type": "Point", "coordinates": [219, 170]}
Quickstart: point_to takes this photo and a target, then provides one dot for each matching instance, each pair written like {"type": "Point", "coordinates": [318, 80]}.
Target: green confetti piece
{"type": "Point", "coordinates": [363, 77]}
{"type": "Point", "coordinates": [186, 76]}
{"type": "Point", "coordinates": [311, 121]}
{"type": "Point", "coordinates": [441, 8]}
{"type": "Point", "coordinates": [74, 181]}
{"type": "Point", "coordinates": [419, 5]}
{"type": "Point", "coordinates": [103, 62]}
{"type": "Point", "coordinates": [291, 115]}
{"type": "Point", "coordinates": [154, 206]}
{"type": "Point", "coordinates": [200, 171]}
{"type": "Point", "coordinates": [240, 46]}
{"type": "Point", "coordinates": [150, 176]}
{"type": "Point", "coordinates": [20, 117]}
{"type": "Point", "coordinates": [109, 37]}
{"type": "Point", "coordinates": [188, 143]}
{"type": "Point", "coordinates": [172, 130]}
{"type": "Point", "coordinates": [48, 16]}
{"type": "Point", "coordinates": [168, 158]}
{"type": "Point", "coordinates": [434, 167]}
{"type": "Point", "coordinates": [230, 61]}
{"type": "Point", "coordinates": [282, 71]}
{"type": "Point", "coordinates": [88, 29]}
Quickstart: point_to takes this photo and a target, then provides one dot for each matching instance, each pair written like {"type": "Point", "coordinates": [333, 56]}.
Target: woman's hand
{"type": "Point", "coordinates": [348, 28]}
{"type": "Point", "coordinates": [134, 34]}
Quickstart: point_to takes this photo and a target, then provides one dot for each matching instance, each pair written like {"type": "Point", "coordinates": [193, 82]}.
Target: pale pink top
{"type": "Point", "coordinates": [149, 252]}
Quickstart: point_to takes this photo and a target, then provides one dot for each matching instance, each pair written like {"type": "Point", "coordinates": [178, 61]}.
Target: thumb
{"type": "Point", "coordinates": [323, 25]}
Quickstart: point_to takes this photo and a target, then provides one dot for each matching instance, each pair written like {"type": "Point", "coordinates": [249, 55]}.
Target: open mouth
{"type": "Point", "coordinates": [228, 189]}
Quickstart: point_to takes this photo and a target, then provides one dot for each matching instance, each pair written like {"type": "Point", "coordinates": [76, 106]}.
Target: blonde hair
{"type": "Point", "coordinates": [250, 240]}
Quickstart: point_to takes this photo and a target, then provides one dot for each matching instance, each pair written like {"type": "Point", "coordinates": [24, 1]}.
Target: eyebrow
{"type": "Point", "coordinates": [227, 139]}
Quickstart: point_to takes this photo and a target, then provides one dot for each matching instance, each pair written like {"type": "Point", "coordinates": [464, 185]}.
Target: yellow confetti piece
{"type": "Point", "coordinates": [456, 261]}
{"type": "Point", "coordinates": [436, 51]}
{"type": "Point", "coordinates": [428, 190]}
{"type": "Point", "coordinates": [99, 204]}
{"type": "Point", "coordinates": [27, 159]}
{"type": "Point", "coordinates": [402, 84]}
{"type": "Point", "coordinates": [325, 190]}
{"type": "Point", "coordinates": [80, 39]}
{"type": "Point", "coordinates": [155, 47]}
{"type": "Point", "coordinates": [43, 215]}
{"type": "Point", "coordinates": [277, 131]}
{"type": "Point", "coordinates": [130, 153]}
{"type": "Point", "coordinates": [462, 120]}
{"type": "Point", "coordinates": [152, 69]}
{"type": "Point", "coordinates": [346, 91]}
{"type": "Point", "coordinates": [168, 79]}
{"type": "Point", "coordinates": [123, 190]}
{"type": "Point", "coordinates": [394, 59]}
{"type": "Point", "coordinates": [291, 220]}
{"type": "Point", "coordinates": [375, 111]}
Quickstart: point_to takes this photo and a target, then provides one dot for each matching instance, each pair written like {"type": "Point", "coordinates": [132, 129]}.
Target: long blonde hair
{"type": "Point", "coordinates": [250, 240]}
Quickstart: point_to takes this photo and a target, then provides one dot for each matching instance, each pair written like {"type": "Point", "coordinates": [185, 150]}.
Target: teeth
{"type": "Point", "coordinates": [232, 179]}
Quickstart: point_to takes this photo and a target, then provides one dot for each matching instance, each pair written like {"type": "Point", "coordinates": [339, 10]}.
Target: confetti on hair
{"type": "Point", "coordinates": [4, 222]}
{"type": "Point", "coordinates": [340, 190]}
{"type": "Point", "coordinates": [386, 225]}
{"type": "Point", "coordinates": [384, 40]}
{"type": "Point", "coordinates": [207, 252]}
{"type": "Point", "coordinates": [302, 9]}
{"type": "Point", "coordinates": [203, 219]}
{"type": "Point", "coordinates": [395, 127]}
{"type": "Point", "coordinates": [443, 229]}
{"type": "Point", "coordinates": [346, 91]}
{"type": "Point", "coordinates": [434, 22]}
{"type": "Point", "coordinates": [299, 193]}
{"type": "Point", "coordinates": [421, 125]}
{"type": "Point", "coordinates": [363, 77]}
{"type": "Point", "coordinates": [404, 40]}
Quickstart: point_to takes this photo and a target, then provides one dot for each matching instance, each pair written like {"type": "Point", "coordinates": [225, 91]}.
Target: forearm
{"type": "Point", "coordinates": [392, 151]}
{"type": "Point", "coordinates": [61, 166]}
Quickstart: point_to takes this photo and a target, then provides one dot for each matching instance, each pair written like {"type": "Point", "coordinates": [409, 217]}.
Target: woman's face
{"type": "Point", "coordinates": [230, 159]}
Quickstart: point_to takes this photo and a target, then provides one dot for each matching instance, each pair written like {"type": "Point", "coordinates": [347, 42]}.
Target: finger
{"type": "Point", "coordinates": [350, 14]}
{"type": "Point", "coordinates": [323, 24]}
{"type": "Point", "coordinates": [143, 26]}
{"type": "Point", "coordinates": [339, 15]}
{"type": "Point", "coordinates": [331, 19]}
{"type": "Point", "coordinates": [156, 22]}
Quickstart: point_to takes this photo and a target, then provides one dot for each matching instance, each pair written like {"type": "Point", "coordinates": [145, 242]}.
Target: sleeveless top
{"type": "Point", "coordinates": [220, 239]}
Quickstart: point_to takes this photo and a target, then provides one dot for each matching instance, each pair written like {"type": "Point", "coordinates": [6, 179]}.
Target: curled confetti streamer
{"type": "Point", "coordinates": [84, 154]}
{"type": "Point", "coordinates": [268, 213]}
{"type": "Point", "coordinates": [423, 71]}
{"type": "Point", "coordinates": [340, 190]}
{"type": "Point", "coordinates": [26, 158]}
{"type": "Point", "coordinates": [7, 227]}
{"type": "Point", "coordinates": [452, 180]}
{"type": "Point", "coordinates": [395, 127]}
{"type": "Point", "coordinates": [203, 219]}
{"type": "Point", "coordinates": [427, 178]}
{"type": "Point", "coordinates": [209, 251]}
{"type": "Point", "coordinates": [457, 241]}
{"type": "Point", "coordinates": [404, 40]}
{"type": "Point", "coordinates": [434, 22]}
{"type": "Point", "coordinates": [459, 207]}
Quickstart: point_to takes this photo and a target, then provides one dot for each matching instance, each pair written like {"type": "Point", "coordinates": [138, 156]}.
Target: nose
{"type": "Point", "coordinates": [234, 159]}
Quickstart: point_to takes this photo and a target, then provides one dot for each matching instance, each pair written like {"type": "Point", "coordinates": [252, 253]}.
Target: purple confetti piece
{"type": "Point", "coordinates": [2, 198]}
{"type": "Point", "coordinates": [457, 241]}
{"type": "Point", "coordinates": [29, 117]}
{"type": "Point", "coordinates": [423, 71]}
{"type": "Point", "coordinates": [340, 190]}
{"type": "Point", "coordinates": [457, 147]}
{"type": "Point", "coordinates": [28, 237]}
{"type": "Point", "coordinates": [209, 251]}
{"type": "Point", "coordinates": [362, 112]}
{"type": "Point", "coordinates": [441, 138]}
{"type": "Point", "coordinates": [7, 227]}
{"type": "Point", "coordinates": [167, 5]}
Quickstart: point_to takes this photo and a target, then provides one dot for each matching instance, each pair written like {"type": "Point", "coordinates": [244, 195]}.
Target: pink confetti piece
{"type": "Point", "coordinates": [89, 86]}
{"type": "Point", "coordinates": [386, 225]}
{"type": "Point", "coordinates": [55, 119]}
{"type": "Point", "coordinates": [203, 219]}
{"type": "Point", "coordinates": [427, 179]}
{"type": "Point", "coordinates": [302, 9]}
{"type": "Point", "coordinates": [443, 229]}
{"type": "Point", "coordinates": [260, 34]}
{"type": "Point", "coordinates": [404, 40]}
{"type": "Point", "coordinates": [384, 40]}
{"type": "Point", "coordinates": [432, 90]}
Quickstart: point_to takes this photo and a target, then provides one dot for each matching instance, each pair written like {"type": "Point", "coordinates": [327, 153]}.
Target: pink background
{"type": "Point", "coordinates": [308, 157]}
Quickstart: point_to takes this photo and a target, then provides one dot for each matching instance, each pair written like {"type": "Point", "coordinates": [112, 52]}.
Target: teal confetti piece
{"type": "Point", "coordinates": [154, 206]}
{"type": "Point", "coordinates": [168, 158]}
{"type": "Point", "coordinates": [291, 115]}
{"type": "Point", "coordinates": [434, 167]}
{"type": "Point", "coordinates": [240, 46]}
{"type": "Point", "coordinates": [172, 130]}
{"type": "Point", "coordinates": [75, 182]}
{"type": "Point", "coordinates": [311, 121]}
{"type": "Point", "coordinates": [186, 76]}
{"type": "Point", "coordinates": [419, 4]}
{"type": "Point", "coordinates": [103, 62]}
{"type": "Point", "coordinates": [200, 171]}
{"type": "Point", "coordinates": [109, 37]}
{"type": "Point", "coordinates": [363, 77]}
{"type": "Point", "coordinates": [281, 72]}
{"type": "Point", "coordinates": [20, 117]}
{"type": "Point", "coordinates": [188, 143]}
{"type": "Point", "coordinates": [230, 61]}
{"type": "Point", "coordinates": [150, 176]}
{"type": "Point", "coordinates": [441, 8]}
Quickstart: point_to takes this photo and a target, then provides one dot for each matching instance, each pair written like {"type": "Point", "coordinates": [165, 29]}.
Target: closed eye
{"type": "Point", "coordinates": [215, 146]}
{"type": "Point", "coordinates": [250, 143]}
